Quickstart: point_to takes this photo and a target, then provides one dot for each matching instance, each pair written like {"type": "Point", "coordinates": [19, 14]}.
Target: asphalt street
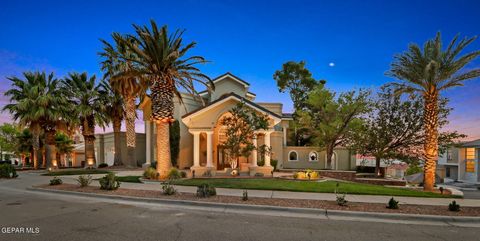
{"type": "Point", "coordinates": [27, 215]}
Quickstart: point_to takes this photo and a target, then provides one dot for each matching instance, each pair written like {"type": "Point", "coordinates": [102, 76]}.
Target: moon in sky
{"type": "Point", "coordinates": [331, 64]}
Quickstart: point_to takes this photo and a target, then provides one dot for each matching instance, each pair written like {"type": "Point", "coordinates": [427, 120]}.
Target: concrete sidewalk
{"type": "Point", "coordinates": [291, 195]}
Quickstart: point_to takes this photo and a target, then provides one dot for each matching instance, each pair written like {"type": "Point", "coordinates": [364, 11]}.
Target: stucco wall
{"type": "Point", "coordinates": [226, 86]}
{"type": "Point", "coordinates": [345, 160]}
{"type": "Point", "coordinates": [104, 147]}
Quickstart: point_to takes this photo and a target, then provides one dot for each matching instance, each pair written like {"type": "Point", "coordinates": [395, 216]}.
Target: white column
{"type": "Point", "coordinates": [148, 143]}
{"type": "Point", "coordinates": [284, 135]}
{"type": "Point", "coordinates": [267, 143]}
{"type": "Point", "coordinates": [209, 148]}
{"type": "Point", "coordinates": [196, 149]}
{"type": "Point", "coordinates": [254, 152]}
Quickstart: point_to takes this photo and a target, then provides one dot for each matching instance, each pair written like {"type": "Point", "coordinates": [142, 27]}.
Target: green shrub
{"type": "Point", "coordinates": [55, 181]}
{"type": "Point", "coordinates": [205, 190]}
{"type": "Point", "coordinates": [245, 195]}
{"type": "Point", "coordinates": [454, 207]}
{"type": "Point", "coordinates": [392, 204]}
{"type": "Point", "coordinates": [109, 182]}
{"type": "Point", "coordinates": [274, 164]}
{"type": "Point", "coordinates": [150, 173]}
{"type": "Point", "coordinates": [183, 174]}
{"type": "Point", "coordinates": [7, 170]}
{"type": "Point", "coordinates": [174, 174]}
{"type": "Point", "coordinates": [168, 188]}
{"type": "Point", "coordinates": [295, 175]}
{"type": "Point", "coordinates": [84, 180]}
{"type": "Point", "coordinates": [208, 173]}
{"type": "Point", "coordinates": [412, 169]}
{"type": "Point", "coordinates": [102, 165]}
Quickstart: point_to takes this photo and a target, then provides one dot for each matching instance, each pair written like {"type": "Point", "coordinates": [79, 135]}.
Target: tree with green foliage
{"type": "Point", "coordinates": [8, 134]}
{"type": "Point", "coordinates": [38, 102]}
{"type": "Point", "coordinates": [164, 61]}
{"type": "Point", "coordinates": [64, 147]}
{"type": "Point", "coordinates": [295, 78]}
{"type": "Point", "coordinates": [428, 72]}
{"type": "Point", "coordinates": [114, 112]}
{"type": "Point", "coordinates": [240, 125]}
{"type": "Point", "coordinates": [124, 83]}
{"type": "Point", "coordinates": [175, 142]}
{"type": "Point", "coordinates": [333, 119]}
{"type": "Point", "coordinates": [84, 93]}
{"type": "Point", "coordinates": [394, 130]}
{"type": "Point", "coordinates": [24, 145]}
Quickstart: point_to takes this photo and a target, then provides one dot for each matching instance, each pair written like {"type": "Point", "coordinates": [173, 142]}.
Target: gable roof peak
{"type": "Point", "coordinates": [232, 76]}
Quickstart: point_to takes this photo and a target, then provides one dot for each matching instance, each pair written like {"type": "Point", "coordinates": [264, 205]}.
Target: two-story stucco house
{"type": "Point", "coordinates": [201, 134]}
{"type": "Point", "coordinates": [462, 163]}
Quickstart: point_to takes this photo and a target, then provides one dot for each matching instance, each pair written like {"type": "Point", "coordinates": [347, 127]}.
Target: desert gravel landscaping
{"type": "Point", "coordinates": [300, 203]}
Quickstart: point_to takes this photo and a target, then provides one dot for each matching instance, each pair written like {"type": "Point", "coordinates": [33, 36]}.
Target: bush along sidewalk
{"type": "Point", "coordinates": [7, 170]}
{"type": "Point", "coordinates": [392, 204]}
{"type": "Point", "coordinates": [454, 207]}
{"type": "Point", "coordinates": [55, 181]}
{"type": "Point", "coordinates": [109, 182]}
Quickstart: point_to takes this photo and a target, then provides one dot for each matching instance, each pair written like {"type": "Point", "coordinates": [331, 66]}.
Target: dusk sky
{"type": "Point", "coordinates": [349, 43]}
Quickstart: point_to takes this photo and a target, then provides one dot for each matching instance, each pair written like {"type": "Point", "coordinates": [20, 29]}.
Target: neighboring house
{"type": "Point", "coordinates": [105, 149]}
{"type": "Point", "coordinates": [461, 163]}
{"type": "Point", "coordinates": [396, 170]}
{"type": "Point", "coordinates": [201, 134]}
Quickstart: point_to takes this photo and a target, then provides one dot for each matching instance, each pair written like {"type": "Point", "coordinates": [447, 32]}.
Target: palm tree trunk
{"type": "Point", "coordinates": [51, 153]}
{"type": "Point", "coordinates": [117, 159]}
{"type": "Point", "coordinates": [163, 149]}
{"type": "Point", "coordinates": [430, 122]}
{"type": "Point", "coordinates": [89, 136]}
{"type": "Point", "coordinates": [131, 135]}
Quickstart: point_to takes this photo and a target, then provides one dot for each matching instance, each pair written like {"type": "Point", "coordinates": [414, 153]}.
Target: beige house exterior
{"type": "Point", "coordinates": [201, 135]}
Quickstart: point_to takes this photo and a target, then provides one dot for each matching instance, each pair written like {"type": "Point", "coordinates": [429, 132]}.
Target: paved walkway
{"type": "Point", "coordinates": [269, 194]}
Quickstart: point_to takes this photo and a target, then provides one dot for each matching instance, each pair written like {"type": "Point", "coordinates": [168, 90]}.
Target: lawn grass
{"type": "Point", "coordinates": [134, 179]}
{"type": "Point", "coordinates": [308, 186]}
{"type": "Point", "coordinates": [75, 172]}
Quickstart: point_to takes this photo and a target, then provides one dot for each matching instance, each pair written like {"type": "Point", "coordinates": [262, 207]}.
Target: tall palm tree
{"type": "Point", "coordinates": [38, 103]}
{"type": "Point", "coordinates": [84, 93]}
{"type": "Point", "coordinates": [115, 112]}
{"type": "Point", "coordinates": [161, 59]}
{"type": "Point", "coordinates": [129, 86]}
{"type": "Point", "coordinates": [428, 72]}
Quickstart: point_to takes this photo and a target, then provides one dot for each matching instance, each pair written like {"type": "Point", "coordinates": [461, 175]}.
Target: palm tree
{"type": "Point", "coordinates": [129, 86]}
{"type": "Point", "coordinates": [428, 72]}
{"type": "Point", "coordinates": [84, 93]}
{"type": "Point", "coordinates": [64, 146]}
{"type": "Point", "coordinates": [160, 58]}
{"type": "Point", "coordinates": [37, 102]}
{"type": "Point", "coordinates": [23, 144]}
{"type": "Point", "coordinates": [114, 111]}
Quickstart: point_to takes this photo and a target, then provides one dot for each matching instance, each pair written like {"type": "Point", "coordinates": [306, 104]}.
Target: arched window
{"type": "Point", "coordinates": [313, 156]}
{"type": "Point", "coordinates": [292, 156]}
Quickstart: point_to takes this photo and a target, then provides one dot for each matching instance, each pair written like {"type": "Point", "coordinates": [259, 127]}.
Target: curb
{"type": "Point", "coordinates": [290, 211]}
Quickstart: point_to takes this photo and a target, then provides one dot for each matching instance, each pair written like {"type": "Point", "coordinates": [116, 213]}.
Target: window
{"type": "Point", "coordinates": [449, 155]}
{"type": "Point", "coordinates": [470, 154]}
{"type": "Point", "coordinates": [470, 166]}
{"type": "Point", "coordinates": [313, 156]}
{"type": "Point", "coordinates": [447, 172]}
{"type": "Point", "coordinates": [292, 156]}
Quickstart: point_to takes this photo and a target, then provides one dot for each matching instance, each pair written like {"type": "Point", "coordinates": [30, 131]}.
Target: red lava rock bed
{"type": "Point", "coordinates": [300, 203]}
